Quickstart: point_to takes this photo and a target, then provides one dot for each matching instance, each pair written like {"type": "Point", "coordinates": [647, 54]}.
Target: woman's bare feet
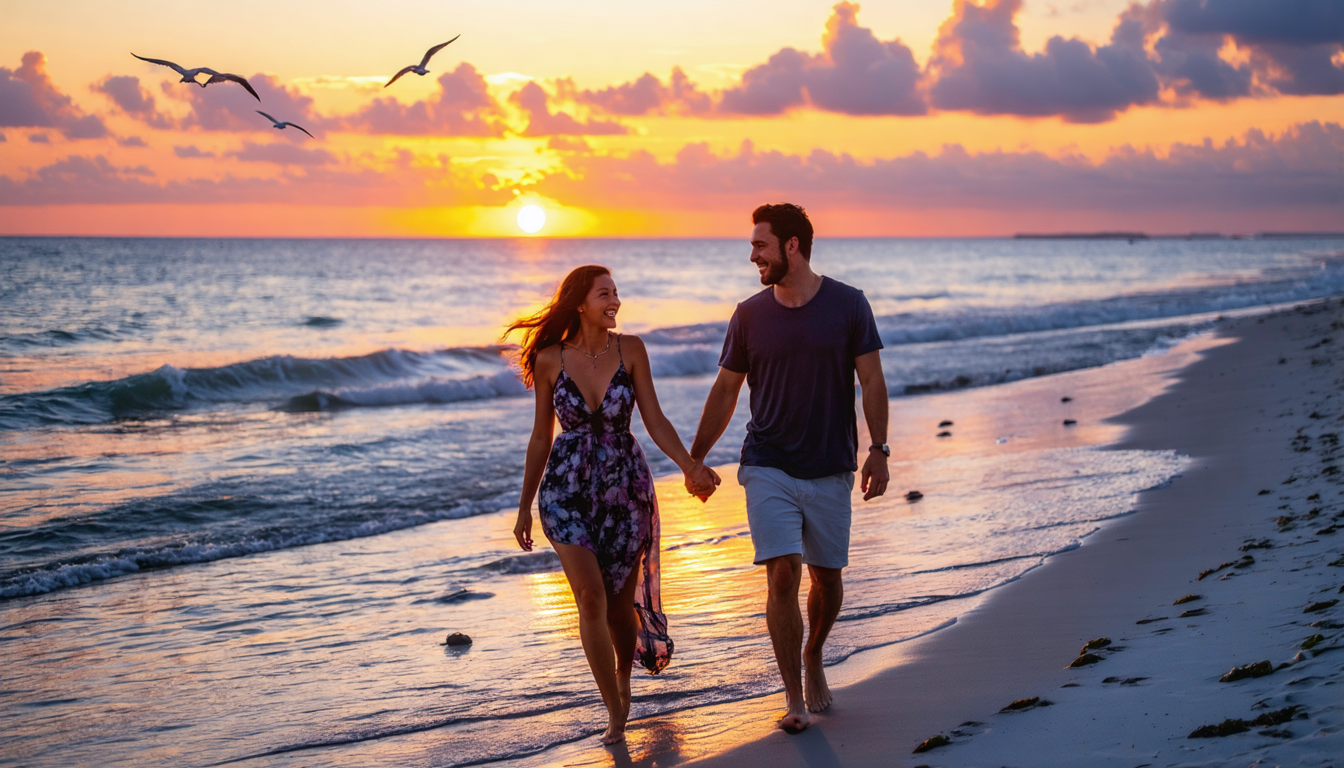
{"type": "Point", "coordinates": [815, 692]}
{"type": "Point", "coordinates": [614, 734]}
{"type": "Point", "coordinates": [796, 719]}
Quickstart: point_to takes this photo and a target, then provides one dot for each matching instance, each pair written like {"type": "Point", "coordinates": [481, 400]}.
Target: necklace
{"type": "Point", "coordinates": [599, 354]}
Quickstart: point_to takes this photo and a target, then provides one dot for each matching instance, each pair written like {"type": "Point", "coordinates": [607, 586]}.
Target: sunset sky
{"type": "Point", "coordinates": [903, 117]}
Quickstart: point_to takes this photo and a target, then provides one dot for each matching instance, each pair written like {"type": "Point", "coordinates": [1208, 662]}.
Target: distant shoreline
{"type": "Point", "coordinates": [1132, 236]}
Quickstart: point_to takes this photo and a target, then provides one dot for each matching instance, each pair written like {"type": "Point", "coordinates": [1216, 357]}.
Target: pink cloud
{"type": "Point", "coordinates": [228, 107]}
{"type": "Point", "coordinates": [28, 98]}
{"type": "Point", "coordinates": [1297, 169]}
{"type": "Point", "coordinates": [95, 180]}
{"type": "Point", "coordinates": [541, 121]}
{"type": "Point", "coordinates": [462, 107]}
{"type": "Point", "coordinates": [131, 98]}
{"type": "Point", "coordinates": [282, 153]}
{"type": "Point", "coordinates": [648, 95]}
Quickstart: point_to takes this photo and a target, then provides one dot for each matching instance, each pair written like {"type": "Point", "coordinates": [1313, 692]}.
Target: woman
{"type": "Point", "coordinates": [597, 504]}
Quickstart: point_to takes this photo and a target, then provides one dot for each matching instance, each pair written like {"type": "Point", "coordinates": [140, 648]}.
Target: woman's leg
{"type": "Point", "coordinates": [590, 596]}
{"type": "Point", "coordinates": [623, 625]}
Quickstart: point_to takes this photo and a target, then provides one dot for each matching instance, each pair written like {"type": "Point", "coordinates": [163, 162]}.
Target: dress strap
{"type": "Point", "coordinates": [562, 356]}
{"type": "Point", "coordinates": [618, 348]}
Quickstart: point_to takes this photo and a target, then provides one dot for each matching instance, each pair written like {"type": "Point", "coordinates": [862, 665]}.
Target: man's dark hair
{"type": "Point", "coordinates": [787, 220]}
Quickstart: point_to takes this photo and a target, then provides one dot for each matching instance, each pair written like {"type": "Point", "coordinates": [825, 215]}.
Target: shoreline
{"type": "Point", "coordinates": [1017, 642]}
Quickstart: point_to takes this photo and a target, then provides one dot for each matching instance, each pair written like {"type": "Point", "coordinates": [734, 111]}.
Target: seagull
{"type": "Point", "coordinates": [419, 69]}
{"type": "Point", "coordinates": [189, 75]}
{"type": "Point", "coordinates": [283, 125]}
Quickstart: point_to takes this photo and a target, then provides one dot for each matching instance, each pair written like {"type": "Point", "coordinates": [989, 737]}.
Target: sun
{"type": "Point", "coordinates": [531, 218]}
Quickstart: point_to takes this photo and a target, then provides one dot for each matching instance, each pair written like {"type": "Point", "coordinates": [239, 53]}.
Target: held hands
{"type": "Point", "coordinates": [701, 481]}
{"type": "Point", "coordinates": [522, 531]}
{"type": "Point", "coordinates": [875, 475]}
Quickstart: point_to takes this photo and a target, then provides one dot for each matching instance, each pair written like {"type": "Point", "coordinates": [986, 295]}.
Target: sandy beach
{"type": "Point", "coordinates": [1258, 417]}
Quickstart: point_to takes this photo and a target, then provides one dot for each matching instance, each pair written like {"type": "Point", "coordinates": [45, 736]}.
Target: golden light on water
{"type": "Point", "coordinates": [531, 218]}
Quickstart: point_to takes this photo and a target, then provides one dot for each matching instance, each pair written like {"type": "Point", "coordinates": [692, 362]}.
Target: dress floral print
{"type": "Point", "coordinates": [598, 493]}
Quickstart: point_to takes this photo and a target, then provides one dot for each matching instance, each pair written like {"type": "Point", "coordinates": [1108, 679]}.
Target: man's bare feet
{"type": "Point", "coordinates": [796, 719]}
{"type": "Point", "coordinates": [815, 692]}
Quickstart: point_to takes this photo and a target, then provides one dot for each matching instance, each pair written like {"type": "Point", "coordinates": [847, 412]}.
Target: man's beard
{"type": "Point", "coordinates": [775, 272]}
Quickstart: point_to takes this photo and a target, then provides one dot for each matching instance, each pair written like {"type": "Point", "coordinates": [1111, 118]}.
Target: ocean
{"type": "Point", "coordinates": [247, 486]}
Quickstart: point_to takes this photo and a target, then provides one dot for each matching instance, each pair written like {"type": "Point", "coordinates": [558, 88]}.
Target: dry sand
{"type": "Point", "coordinates": [1255, 416]}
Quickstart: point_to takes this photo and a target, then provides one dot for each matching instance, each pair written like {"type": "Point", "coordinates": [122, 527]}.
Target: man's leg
{"type": "Point", "coordinates": [785, 621]}
{"type": "Point", "coordinates": [824, 597]}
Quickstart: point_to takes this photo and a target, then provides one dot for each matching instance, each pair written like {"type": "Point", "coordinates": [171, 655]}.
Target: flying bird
{"type": "Point", "coordinates": [190, 75]}
{"type": "Point", "coordinates": [285, 124]}
{"type": "Point", "coordinates": [419, 69]}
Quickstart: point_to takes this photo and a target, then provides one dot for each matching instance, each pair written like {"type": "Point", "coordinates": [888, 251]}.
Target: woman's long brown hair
{"type": "Point", "coordinates": [558, 321]}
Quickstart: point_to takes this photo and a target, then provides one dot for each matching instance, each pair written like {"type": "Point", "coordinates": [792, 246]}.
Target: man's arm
{"type": "Point", "coordinates": [719, 407]}
{"type": "Point", "coordinates": [875, 475]}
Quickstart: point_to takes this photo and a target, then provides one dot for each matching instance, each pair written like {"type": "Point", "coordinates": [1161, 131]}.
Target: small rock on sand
{"type": "Point", "coordinates": [1258, 669]}
{"type": "Point", "coordinates": [944, 433]}
{"type": "Point", "coordinates": [457, 638]}
{"type": "Point", "coordinates": [1028, 703]}
{"type": "Point", "coordinates": [1070, 422]}
{"type": "Point", "coordinates": [913, 496]}
{"type": "Point", "coordinates": [1191, 598]}
{"type": "Point", "coordinates": [944, 423]}
{"type": "Point", "coordinates": [1084, 660]}
{"type": "Point", "coordinates": [1321, 606]}
{"type": "Point", "coordinates": [1092, 645]}
{"type": "Point", "coordinates": [933, 743]}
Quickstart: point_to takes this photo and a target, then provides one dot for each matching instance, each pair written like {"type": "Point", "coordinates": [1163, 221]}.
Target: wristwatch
{"type": "Point", "coordinates": [884, 448]}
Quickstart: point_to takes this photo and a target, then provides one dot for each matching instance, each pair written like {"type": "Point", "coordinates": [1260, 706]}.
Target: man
{"type": "Point", "coordinates": [798, 344]}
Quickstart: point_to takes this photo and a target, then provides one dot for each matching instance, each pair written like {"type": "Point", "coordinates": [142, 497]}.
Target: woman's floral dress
{"type": "Point", "coordinates": [598, 493]}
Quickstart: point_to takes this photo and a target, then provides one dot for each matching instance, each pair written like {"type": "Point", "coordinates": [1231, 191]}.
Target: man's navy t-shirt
{"type": "Point", "coordinates": [799, 363]}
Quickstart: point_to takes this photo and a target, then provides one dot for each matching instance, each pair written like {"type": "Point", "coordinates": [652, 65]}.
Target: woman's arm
{"type": "Point", "coordinates": [700, 480]}
{"type": "Point", "coordinates": [539, 445]}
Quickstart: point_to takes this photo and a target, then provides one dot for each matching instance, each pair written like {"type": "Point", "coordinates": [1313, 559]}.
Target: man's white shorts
{"type": "Point", "coordinates": [789, 516]}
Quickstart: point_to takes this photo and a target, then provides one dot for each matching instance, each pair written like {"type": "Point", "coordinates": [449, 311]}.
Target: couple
{"type": "Point", "coordinates": [798, 344]}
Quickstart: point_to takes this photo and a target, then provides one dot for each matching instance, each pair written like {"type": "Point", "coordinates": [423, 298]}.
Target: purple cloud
{"type": "Point", "coordinates": [29, 99]}
{"type": "Point", "coordinates": [127, 94]}
{"type": "Point", "coordinates": [770, 88]}
{"type": "Point", "coordinates": [541, 121]}
{"type": "Point", "coordinates": [83, 180]}
{"type": "Point", "coordinates": [39, 138]}
{"type": "Point", "coordinates": [1295, 45]}
{"type": "Point", "coordinates": [191, 151]}
{"type": "Point", "coordinates": [228, 107]}
{"type": "Point", "coordinates": [282, 153]}
{"type": "Point", "coordinates": [855, 74]}
{"type": "Point", "coordinates": [1295, 170]}
{"type": "Point", "coordinates": [1290, 22]}
{"type": "Point", "coordinates": [462, 107]}
{"type": "Point", "coordinates": [648, 95]}
{"type": "Point", "coordinates": [132, 141]}
{"type": "Point", "coordinates": [981, 67]}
